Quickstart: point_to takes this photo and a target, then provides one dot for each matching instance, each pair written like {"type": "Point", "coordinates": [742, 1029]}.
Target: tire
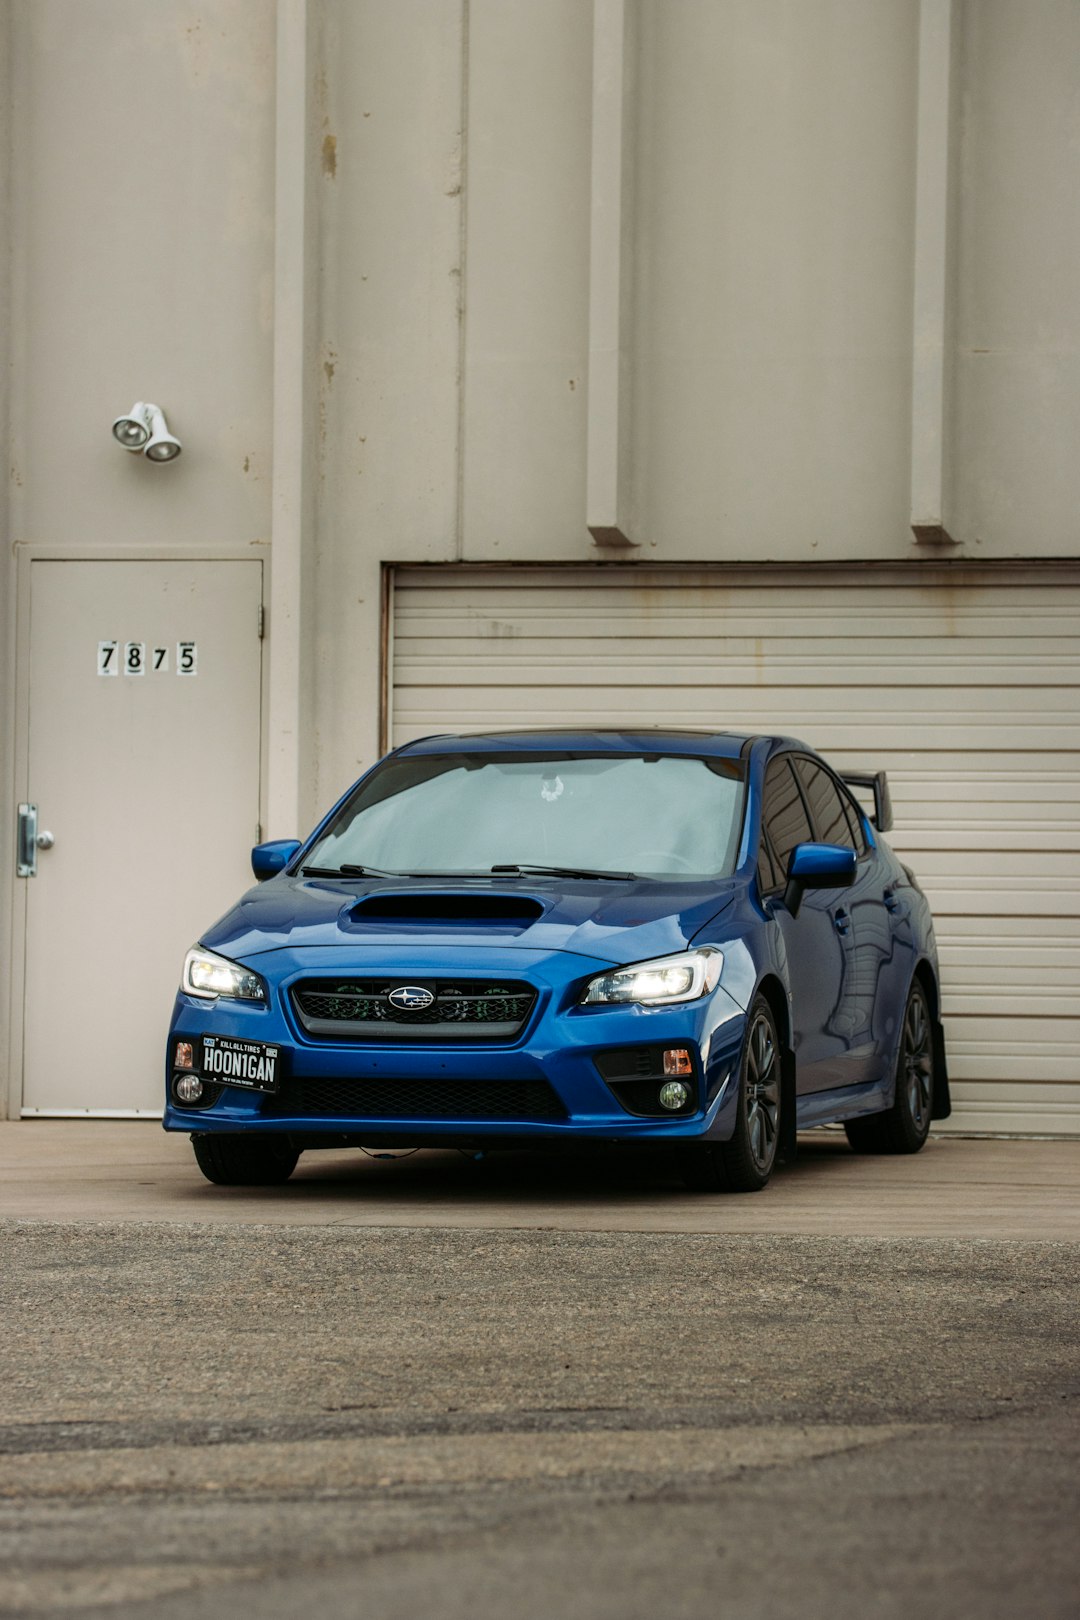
{"type": "Point", "coordinates": [245, 1161]}
{"type": "Point", "coordinates": [904, 1127]}
{"type": "Point", "coordinates": [746, 1162]}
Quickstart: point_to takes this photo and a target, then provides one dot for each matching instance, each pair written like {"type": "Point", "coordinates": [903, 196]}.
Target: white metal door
{"type": "Point", "coordinates": [963, 683]}
{"type": "Point", "coordinates": [143, 763]}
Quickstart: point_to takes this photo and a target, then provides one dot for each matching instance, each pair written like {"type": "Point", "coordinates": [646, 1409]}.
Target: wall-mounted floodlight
{"type": "Point", "coordinates": [162, 445]}
{"type": "Point", "coordinates": [145, 428]}
{"type": "Point", "coordinates": [132, 430]}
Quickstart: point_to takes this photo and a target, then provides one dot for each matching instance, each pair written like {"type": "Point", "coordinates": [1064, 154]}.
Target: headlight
{"type": "Point", "coordinates": [210, 976]}
{"type": "Point", "coordinates": [656, 984]}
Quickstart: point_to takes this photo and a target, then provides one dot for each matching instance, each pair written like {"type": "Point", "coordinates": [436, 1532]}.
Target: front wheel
{"type": "Point", "coordinates": [244, 1161]}
{"type": "Point", "coordinates": [904, 1127]}
{"type": "Point", "coordinates": [746, 1162]}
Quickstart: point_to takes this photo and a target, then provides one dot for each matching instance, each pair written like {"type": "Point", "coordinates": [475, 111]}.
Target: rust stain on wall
{"type": "Point", "coordinates": [329, 156]}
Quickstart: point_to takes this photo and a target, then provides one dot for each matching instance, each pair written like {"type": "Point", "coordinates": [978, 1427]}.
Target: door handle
{"type": "Point", "coordinates": [26, 845]}
{"type": "Point", "coordinates": [842, 921]}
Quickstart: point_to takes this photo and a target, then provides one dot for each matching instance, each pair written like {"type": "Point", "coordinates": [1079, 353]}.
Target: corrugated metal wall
{"type": "Point", "coordinates": [963, 684]}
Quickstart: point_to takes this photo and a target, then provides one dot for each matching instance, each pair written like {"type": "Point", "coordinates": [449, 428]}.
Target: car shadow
{"type": "Point", "coordinates": [582, 1174]}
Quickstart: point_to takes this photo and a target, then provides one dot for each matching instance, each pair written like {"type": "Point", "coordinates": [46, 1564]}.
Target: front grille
{"type": "Point", "coordinates": [463, 1009]}
{"type": "Point", "coordinates": [418, 1099]}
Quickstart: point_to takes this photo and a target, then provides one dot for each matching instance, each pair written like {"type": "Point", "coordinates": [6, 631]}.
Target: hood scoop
{"type": "Point", "coordinates": [428, 909]}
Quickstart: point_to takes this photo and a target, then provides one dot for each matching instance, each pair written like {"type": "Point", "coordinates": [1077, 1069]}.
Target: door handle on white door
{"type": "Point", "coordinates": [26, 842]}
{"type": "Point", "coordinates": [29, 841]}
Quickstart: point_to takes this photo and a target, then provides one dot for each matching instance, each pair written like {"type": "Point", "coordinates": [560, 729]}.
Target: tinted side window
{"type": "Point", "coordinates": [826, 805]}
{"type": "Point", "coordinates": [785, 815]}
{"type": "Point", "coordinates": [859, 837]}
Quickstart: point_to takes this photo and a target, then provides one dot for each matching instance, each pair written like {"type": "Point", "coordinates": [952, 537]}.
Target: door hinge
{"type": "Point", "coordinates": [262, 621]}
{"type": "Point", "coordinates": [258, 832]}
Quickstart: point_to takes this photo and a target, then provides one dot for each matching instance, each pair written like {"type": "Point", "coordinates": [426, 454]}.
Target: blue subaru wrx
{"type": "Point", "coordinates": [695, 941]}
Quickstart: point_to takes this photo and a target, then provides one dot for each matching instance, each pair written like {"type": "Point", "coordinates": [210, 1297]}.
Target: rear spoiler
{"type": "Point", "coordinates": [878, 783]}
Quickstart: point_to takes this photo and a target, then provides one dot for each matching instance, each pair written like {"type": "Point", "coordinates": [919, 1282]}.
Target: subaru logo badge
{"type": "Point", "coordinates": [410, 998]}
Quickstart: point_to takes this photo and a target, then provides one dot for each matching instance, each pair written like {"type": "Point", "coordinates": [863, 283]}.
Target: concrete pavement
{"type": "Point", "coordinates": [73, 1170]}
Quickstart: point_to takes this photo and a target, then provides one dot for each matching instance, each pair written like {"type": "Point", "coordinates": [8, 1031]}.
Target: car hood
{"type": "Point", "coordinates": [613, 922]}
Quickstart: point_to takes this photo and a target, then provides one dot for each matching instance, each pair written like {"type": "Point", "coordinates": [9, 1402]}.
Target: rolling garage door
{"type": "Point", "coordinates": [962, 684]}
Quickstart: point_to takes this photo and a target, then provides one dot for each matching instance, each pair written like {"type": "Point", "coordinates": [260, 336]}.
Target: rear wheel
{"type": "Point", "coordinates": [245, 1161]}
{"type": "Point", "coordinates": [904, 1127]}
{"type": "Point", "coordinates": [746, 1162]}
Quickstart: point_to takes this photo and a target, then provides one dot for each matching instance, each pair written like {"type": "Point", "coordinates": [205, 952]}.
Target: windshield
{"type": "Point", "coordinates": [656, 816]}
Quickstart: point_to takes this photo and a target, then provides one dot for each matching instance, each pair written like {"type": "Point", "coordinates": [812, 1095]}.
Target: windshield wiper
{"type": "Point", "coordinates": [347, 871]}
{"type": "Point", "coordinates": [524, 868]}
{"type": "Point", "coordinates": [531, 869]}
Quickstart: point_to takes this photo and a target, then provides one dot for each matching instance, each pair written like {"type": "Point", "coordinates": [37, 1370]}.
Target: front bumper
{"type": "Point", "coordinates": [562, 1054]}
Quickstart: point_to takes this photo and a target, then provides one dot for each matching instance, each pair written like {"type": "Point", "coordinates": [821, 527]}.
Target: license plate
{"type": "Point", "coordinates": [251, 1065]}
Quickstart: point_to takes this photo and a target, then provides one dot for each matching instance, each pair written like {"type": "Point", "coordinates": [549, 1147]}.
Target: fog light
{"type": "Point", "coordinates": [674, 1094]}
{"type": "Point", "coordinates": [184, 1056]}
{"type": "Point", "coordinates": [677, 1061]}
{"type": "Point", "coordinates": [189, 1088]}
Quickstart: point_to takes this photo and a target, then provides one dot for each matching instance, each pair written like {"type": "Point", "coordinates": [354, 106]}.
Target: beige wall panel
{"type": "Point", "coordinates": [527, 279]}
{"type": "Point", "coordinates": [390, 129]}
{"type": "Point", "coordinates": [7, 591]}
{"type": "Point", "coordinates": [1015, 471]}
{"type": "Point", "coordinates": [910, 672]}
{"type": "Point", "coordinates": [772, 350]}
{"type": "Point", "coordinates": [391, 86]}
{"type": "Point", "coordinates": [143, 267]}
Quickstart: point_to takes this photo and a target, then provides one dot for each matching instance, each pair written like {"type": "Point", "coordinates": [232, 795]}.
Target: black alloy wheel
{"type": "Point", "coordinates": [745, 1163]}
{"type": "Point", "coordinates": [904, 1127]}
{"type": "Point", "coordinates": [244, 1161]}
{"type": "Point", "coordinates": [762, 1092]}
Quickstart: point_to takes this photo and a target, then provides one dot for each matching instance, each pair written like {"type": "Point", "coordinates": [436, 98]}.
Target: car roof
{"type": "Point", "coordinates": [640, 740]}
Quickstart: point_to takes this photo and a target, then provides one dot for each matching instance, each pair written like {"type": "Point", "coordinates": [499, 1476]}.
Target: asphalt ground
{"type": "Point", "coordinates": [455, 1389]}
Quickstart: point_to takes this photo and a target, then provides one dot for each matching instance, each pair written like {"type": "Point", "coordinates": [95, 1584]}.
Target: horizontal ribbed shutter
{"type": "Point", "coordinates": [964, 685]}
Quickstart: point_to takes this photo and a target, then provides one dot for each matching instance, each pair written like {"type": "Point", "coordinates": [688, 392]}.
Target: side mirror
{"type": "Point", "coordinates": [266, 859]}
{"type": "Point", "coordinates": [817, 866]}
